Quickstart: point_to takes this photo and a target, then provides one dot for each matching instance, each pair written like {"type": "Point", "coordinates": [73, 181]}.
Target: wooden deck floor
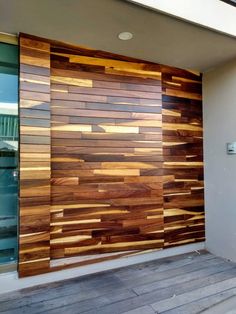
{"type": "Point", "coordinates": [183, 284]}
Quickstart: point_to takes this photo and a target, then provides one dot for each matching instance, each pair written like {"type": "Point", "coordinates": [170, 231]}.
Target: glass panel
{"type": "Point", "coordinates": [8, 152]}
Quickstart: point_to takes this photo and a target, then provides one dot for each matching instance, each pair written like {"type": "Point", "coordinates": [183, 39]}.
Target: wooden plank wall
{"type": "Point", "coordinates": [183, 157]}
{"type": "Point", "coordinates": [100, 134]}
{"type": "Point", "coordinates": [34, 235]}
{"type": "Point", "coordinates": [106, 156]}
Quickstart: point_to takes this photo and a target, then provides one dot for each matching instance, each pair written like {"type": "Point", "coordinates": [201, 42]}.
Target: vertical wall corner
{"type": "Point", "coordinates": [35, 156]}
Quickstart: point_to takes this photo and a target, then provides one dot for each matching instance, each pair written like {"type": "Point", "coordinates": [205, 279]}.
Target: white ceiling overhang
{"type": "Point", "coordinates": [213, 14]}
{"type": "Point", "coordinates": [157, 37]}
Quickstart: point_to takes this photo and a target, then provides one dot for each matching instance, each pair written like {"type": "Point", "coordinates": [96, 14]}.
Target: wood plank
{"type": "Point", "coordinates": [212, 269]}
{"type": "Point", "coordinates": [34, 244]}
{"type": "Point", "coordinates": [205, 303]}
{"type": "Point", "coordinates": [78, 294]}
{"type": "Point", "coordinates": [149, 298]}
{"type": "Point", "coordinates": [109, 132]}
{"type": "Point", "coordinates": [194, 295]}
{"type": "Point", "coordinates": [104, 118]}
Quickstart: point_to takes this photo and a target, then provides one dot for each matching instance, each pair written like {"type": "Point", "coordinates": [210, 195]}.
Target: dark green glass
{"type": "Point", "coordinates": [8, 152]}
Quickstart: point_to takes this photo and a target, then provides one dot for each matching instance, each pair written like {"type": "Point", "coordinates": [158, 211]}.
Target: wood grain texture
{"type": "Point", "coordinates": [198, 281]}
{"type": "Point", "coordinates": [103, 139]}
{"type": "Point", "coordinates": [35, 165]}
{"type": "Point", "coordinates": [106, 191]}
{"type": "Point", "coordinates": [183, 157]}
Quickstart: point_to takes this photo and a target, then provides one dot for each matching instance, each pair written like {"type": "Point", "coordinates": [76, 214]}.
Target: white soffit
{"type": "Point", "coordinates": [157, 37]}
{"type": "Point", "coordinates": [213, 14]}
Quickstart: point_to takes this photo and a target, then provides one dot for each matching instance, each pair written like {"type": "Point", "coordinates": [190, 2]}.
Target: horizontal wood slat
{"type": "Point", "coordinates": [183, 159]}
{"type": "Point", "coordinates": [110, 156]}
{"type": "Point", "coordinates": [97, 195]}
{"type": "Point", "coordinates": [35, 162]}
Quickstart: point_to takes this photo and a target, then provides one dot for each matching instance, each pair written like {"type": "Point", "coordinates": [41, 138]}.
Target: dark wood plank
{"type": "Point", "coordinates": [34, 236]}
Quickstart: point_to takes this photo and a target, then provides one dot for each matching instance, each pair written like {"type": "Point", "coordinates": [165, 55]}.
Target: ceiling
{"type": "Point", "coordinates": [96, 24]}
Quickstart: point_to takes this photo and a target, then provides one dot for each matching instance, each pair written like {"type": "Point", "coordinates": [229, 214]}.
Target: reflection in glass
{"type": "Point", "coordinates": [8, 152]}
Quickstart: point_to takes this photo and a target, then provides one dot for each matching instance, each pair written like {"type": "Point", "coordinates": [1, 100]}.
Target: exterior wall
{"type": "Point", "coordinates": [92, 158]}
{"type": "Point", "coordinates": [183, 157]}
{"type": "Point", "coordinates": [107, 190]}
{"type": "Point", "coordinates": [219, 96]}
{"type": "Point", "coordinates": [35, 157]}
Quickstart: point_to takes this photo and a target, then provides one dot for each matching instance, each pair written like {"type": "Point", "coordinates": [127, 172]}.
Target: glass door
{"type": "Point", "coordinates": [8, 152]}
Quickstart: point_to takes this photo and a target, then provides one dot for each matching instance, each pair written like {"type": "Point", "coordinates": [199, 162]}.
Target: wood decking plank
{"type": "Point", "coordinates": [204, 303]}
{"type": "Point", "coordinates": [109, 292]}
{"type": "Point", "coordinates": [194, 295]}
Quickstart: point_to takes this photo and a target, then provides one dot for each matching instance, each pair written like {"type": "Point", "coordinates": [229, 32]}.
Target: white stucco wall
{"type": "Point", "coordinates": [219, 94]}
{"type": "Point", "coordinates": [213, 14]}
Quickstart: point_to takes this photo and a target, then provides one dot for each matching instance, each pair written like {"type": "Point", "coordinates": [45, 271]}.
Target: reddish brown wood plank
{"type": "Point", "coordinates": [35, 191]}
{"type": "Point", "coordinates": [102, 138]}
{"type": "Point", "coordinates": [183, 158]}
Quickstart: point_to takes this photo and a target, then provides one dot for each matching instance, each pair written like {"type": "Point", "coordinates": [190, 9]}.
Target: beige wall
{"type": "Point", "coordinates": [219, 94]}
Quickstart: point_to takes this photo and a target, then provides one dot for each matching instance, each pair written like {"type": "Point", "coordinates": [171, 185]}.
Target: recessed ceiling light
{"type": "Point", "coordinates": [125, 36]}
